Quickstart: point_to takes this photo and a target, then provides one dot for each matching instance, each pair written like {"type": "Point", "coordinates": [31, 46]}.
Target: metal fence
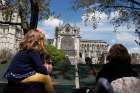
{"type": "Point", "coordinates": [64, 76]}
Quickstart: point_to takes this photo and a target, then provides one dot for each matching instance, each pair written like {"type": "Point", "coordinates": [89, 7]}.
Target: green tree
{"type": "Point", "coordinates": [29, 11]}
{"type": "Point", "coordinates": [128, 11]}
{"type": "Point", "coordinates": [57, 55]}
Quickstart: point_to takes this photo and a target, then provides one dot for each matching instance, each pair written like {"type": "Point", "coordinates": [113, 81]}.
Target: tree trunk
{"type": "Point", "coordinates": [34, 14]}
{"type": "Point", "coordinates": [23, 15]}
{"type": "Point", "coordinates": [138, 41]}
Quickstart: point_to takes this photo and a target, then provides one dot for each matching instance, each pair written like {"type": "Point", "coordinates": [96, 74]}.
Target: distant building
{"type": "Point", "coordinates": [95, 49]}
{"type": "Point", "coordinates": [68, 38]}
{"type": "Point", "coordinates": [135, 58]}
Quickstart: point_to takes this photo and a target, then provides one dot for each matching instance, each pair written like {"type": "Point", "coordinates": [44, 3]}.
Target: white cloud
{"type": "Point", "coordinates": [46, 35]}
{"type": "Point", "coordinates": [135, 50]}
{"type": "Point", "coordinates": [125, 36]}
{"type": "Point", "coordinates": [53, 22]}
{"type": "Point", "coordinates": [48, 26]}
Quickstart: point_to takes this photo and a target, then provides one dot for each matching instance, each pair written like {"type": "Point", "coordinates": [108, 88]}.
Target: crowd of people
{"type": "Point", "coordinates": [31, 67]}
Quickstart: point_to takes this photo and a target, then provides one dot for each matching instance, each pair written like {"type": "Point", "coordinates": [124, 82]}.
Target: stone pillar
{"type": "Point", "coordinates": [59, 42]}
{"type": "Point", "coordinates": [77, 47]}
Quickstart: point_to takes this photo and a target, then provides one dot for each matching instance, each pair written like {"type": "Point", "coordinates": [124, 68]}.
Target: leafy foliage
{"type": "Point", "coordinates": [57, 55]}
{"type": "Point", "coordinates": [10, 6]}
{"type": "Point", "coordinates": [29, 11]}
{"type": "Point", "coordinates": [128, 10]}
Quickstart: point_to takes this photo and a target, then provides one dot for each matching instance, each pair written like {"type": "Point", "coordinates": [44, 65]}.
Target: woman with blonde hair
{"type": "Point", "coordinates": [27, 65]}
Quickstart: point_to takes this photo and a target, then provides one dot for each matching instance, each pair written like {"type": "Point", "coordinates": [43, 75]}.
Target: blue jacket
{"type": "Point", "coordinates": [24, 64]}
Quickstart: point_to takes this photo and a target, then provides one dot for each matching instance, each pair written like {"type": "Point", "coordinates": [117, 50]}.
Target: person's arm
{"type": "Point", "coordinates": [103, 86]}
{"type": "Point", "coordinates": [37, 62]}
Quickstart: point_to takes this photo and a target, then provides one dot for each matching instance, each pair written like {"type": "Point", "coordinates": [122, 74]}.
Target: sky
{"type": "Point", "coordinates": [104, 31]}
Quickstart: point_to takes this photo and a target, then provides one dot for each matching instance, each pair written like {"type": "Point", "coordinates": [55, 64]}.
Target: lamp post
{"type": "Point", "coordinates": [77, 85]}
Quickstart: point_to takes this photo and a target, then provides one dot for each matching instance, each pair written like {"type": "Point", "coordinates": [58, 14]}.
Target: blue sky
{"type": "Point", "coordinates": [104, 30]}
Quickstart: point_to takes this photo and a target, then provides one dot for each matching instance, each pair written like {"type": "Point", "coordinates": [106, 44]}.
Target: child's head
{"type": "Point", "coordinates": [48, 63]}
{"type": "Point", "coordinates": [34, 39]}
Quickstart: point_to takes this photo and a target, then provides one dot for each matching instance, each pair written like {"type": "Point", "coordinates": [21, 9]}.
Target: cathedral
{"type": "Point", "coordinates": [68, 38]}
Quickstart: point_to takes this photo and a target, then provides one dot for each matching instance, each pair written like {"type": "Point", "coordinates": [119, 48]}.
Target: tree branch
{"type": "Point", "coordinates": [9, 23]}
{"type": "Point", "coordinates": [135, 2]}
{"type": "Point", "coordinates": [138, 32]}
{"type": "Point", "coordinates": [23, 16]}
{"type": "Point", "coordinates": [123, 7]}
{"type": "Point", "coordinates": [137, 42]}
{"type": "Point", "coordinates": [34, 14]}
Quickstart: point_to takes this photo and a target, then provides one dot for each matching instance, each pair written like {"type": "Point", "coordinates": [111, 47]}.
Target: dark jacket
{"type": "Point", "coordinates": [24, 64]}
{"type": "Point", "coordinates": [110, 72]}
{"type": "Point", "coordinates": [116, 69]}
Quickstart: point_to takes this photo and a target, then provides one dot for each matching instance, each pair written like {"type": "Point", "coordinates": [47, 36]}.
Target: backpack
{"type": "Point", "coordinates": [121, 85]}
{"type": "Point", "coordinates": [126, 85]}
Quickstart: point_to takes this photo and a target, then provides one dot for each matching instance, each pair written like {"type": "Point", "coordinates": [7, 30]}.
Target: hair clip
{"type": "Point", "coordinates": [37, 30]}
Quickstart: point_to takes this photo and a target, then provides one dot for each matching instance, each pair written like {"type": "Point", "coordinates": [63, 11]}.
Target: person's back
{"type": "Point", "coordinates": [118, 74]}
{"type": "Point", "coordinates": [23, 65]}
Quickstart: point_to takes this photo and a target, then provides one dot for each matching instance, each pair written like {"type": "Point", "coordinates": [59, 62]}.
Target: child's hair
{"type": "Point", "coordinates": [33, 39]}
{"type": "Point", "coordinates": [48, 59]}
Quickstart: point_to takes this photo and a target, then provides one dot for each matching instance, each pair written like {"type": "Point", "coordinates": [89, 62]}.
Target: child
{"type": "Point", "coordinates": [28, 63]}
{"type": "Point", "coordinates": [48, 64]}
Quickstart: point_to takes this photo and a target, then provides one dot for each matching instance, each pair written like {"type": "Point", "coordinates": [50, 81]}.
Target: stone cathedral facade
{"type": "Point", "coordinates": [68, 38]}
{"type": "Point", "coordinates": [10, 35]}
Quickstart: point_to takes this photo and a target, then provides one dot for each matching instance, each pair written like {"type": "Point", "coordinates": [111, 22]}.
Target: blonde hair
{"type": "Point", "coordinates": [33, 39]}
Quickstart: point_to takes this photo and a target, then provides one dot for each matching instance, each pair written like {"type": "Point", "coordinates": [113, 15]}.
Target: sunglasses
{"type": "Point", "coordinates": [50, 63]}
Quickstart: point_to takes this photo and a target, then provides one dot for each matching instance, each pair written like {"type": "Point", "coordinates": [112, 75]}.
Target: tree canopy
{"type": "Point", "coordinates": [29, 11]}
{"type": "Point", "coordinates": [57, 55]}
{"type": "Point", "coordinates": [128, 10]}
